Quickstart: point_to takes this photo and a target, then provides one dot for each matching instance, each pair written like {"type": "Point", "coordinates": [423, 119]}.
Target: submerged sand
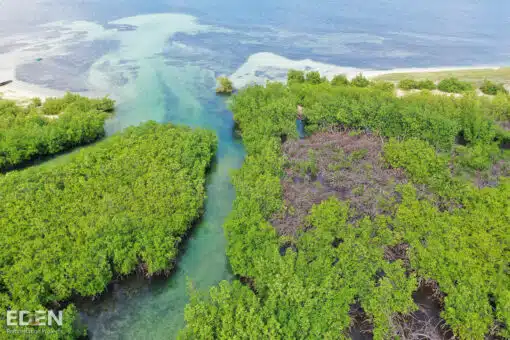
{"type": "Point", "coordinates": [21, 91]}
{"type": "Point", "coordinates": [258, 68]}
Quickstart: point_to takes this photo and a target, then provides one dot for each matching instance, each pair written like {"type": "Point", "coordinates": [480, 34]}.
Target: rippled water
{"type": "Point", "coordinates": [159, 60]}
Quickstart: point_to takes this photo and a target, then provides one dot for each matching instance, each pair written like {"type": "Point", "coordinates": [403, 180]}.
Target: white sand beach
{"type": "Point", "coordinates": [376, 73]}
{"type": "Point", "coordinates": [21, 91]}
{"type": "Point", "coordinates": [261, 67]}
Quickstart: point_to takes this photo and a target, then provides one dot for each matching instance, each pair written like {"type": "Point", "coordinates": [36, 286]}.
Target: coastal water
{"type": "Point", "coordinates": [159, 60]}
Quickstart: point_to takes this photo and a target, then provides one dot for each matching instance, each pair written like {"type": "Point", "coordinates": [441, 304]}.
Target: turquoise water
{"type": "Point", "coordinates": [137, 308]}
{"type": "Point", "coordinates": [159, 60]}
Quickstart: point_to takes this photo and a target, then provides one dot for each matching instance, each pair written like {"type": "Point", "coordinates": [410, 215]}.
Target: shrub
{"type": "Point", "coordinates": [453, 85]}
{"type": "Point", "coordinates": [313, 77]}
{"type": "Point", "coordinates": [499, 107]}
{"type": "Point", "coordinates": [490, 88]}
{"type": "Point", "coordinates": [383, 86]}
{"type": "Point", "coordinates": [408, 84]}
{"type": "Point", "coordinates": [360, 81]}
{"type": "Point", "coordinates": [104, 104]}
{"type": "Point", "coordinates": [418, 158]}
{"type": "Point", "coordinates": [295, 76]}
{"type": "Point", "coordinates": [426, 85]}
{"type": "Point", "coordinates": [56, 106]}
{"type": "Point", "coordinates": [358, 155]}
{"type": "Point", "coordinates": [411, 84]}
{"type": "Point", "coordinates": [476, 157]}
{"type": "Point", "coordinates": [340, 80]}
{"type": "Point", "coordinates": [225, 86]}
{"type": "Point", "coordinates": [53, 106]}
{"type": "Point", "coordinates": [36, 102]}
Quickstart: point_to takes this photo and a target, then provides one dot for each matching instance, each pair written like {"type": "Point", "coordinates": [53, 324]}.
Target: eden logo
{"type": "Point", "coordinates": [37, 318]}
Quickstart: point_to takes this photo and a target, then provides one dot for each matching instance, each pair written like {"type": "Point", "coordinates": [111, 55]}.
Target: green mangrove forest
{"type": "Point", "coordinates": [124, 204]}
{"type": "Point", "coordinates": [359, 213]}
{"type": "Point", "coordinates": [60, 124]}
{"type": "Point", "coordinates": [388, 199]}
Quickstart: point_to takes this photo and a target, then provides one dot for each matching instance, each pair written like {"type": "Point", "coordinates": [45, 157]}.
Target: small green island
{"type": "Point", "coordinates": [225, 86]}
{"type": "Point", "coordinates": [390, 218]}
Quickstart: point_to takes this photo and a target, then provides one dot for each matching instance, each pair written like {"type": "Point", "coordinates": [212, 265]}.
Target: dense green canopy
{"type": "Point", "coordinates": [454, 85]}
{"type": "Point", "coordinates": [304, 287]}
{"type": "Point", "coordinates": [69, 228]}
{"type": "Point", "coordinates": [491, 88]}
{"type": "Point", "coordinates": [58, 125]}
{"type": "Point", "coordinates": [411, 84]}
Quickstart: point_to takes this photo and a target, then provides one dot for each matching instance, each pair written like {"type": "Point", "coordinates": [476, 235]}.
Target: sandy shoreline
{"type": "Point", "coordinates": [258, 68]}
{"type": "Point", "coordinates": [21, 91]}
{"type": "Point", "coordinates": [376, 73]}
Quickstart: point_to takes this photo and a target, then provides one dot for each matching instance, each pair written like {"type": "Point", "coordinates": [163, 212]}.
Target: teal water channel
{"type": "Point", "coordinates": [136, 307]}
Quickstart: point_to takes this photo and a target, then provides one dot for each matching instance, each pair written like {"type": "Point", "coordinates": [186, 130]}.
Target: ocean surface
{"type": "Point", "coordinates": [159, 60]}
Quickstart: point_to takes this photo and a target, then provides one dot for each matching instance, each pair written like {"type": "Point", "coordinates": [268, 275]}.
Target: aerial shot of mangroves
{"type": "Point", "coordinates": [208, 171]}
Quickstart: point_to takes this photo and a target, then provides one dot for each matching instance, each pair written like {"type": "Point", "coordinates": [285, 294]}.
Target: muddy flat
{"type": "Point", "coordinates": [344, 164]}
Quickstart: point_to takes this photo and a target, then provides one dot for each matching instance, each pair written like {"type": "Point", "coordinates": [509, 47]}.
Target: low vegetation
{"type": "Point", "coordinates": [314, 78]}
{"type": "Point", "coordinates": [490, 88]}
{"type": "Point", "coordinates": [434, 227]}
{"type": "Point", "coordinates": [453, 85]}
{"type": "Point", "coordinates": [122, 204]}
{"type": "Point", "coordinates": [295, 77]}
{"type": "Point", "coordinates": [225, 86]}
{"type": "Point", "coordinates": [339, 80]}
{"type": "Point", "coordinates": [27, 133]}
{"type": "Point", "coordinates": [382, 85]}
{"type": "Point", "coordinates": [473, 76]}
{"type": "Point", "coordinates": [411, 84]}
{"type": "Point", "coordinates": [341, 164]}
{"type": "Point", "coordinates": [360, 81]}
